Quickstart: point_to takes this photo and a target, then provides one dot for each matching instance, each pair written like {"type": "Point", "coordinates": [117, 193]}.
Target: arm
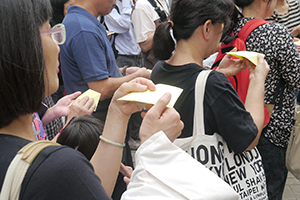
{"type": "Point", "coordinates": [61, 108]}
{"type": "Point", "coordinates": [107, 158]}
{"type": "Point", "coordinates": [296, 31]}
{"type": "Point", "coordinates": [108, 86]}
{"type": "Point", "coordinates": [96, 68]}
{"type": "Point", "coordinates": [144, 27]}
{"type": "Point", "coordinates": [147, 45]}
{"type": "Point", "coordinates": [255, 97]}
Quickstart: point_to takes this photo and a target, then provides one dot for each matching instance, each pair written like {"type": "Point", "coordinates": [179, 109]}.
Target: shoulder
{"type": "Point", "coordinates": [217, 87]}
{"type": "Point", "coordinates": [217, 79]}
{"type": "Point", "coordinates": [61, 172]}
{"type": "Point", "coordinates": [293, 3]}
{"type": "Point", "coordinates": [61, 158]}
{"type": "Point", "coordinates": [143, 5]}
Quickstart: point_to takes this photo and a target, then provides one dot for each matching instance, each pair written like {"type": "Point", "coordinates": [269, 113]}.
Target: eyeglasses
{"type": "Point", "coordinates": [58, 33]}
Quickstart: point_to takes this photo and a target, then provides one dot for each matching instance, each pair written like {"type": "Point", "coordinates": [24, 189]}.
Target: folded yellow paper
{"type": "Point", "coordinates": [250, 55]}
{"type": "Point", "coordinates": [92, 94]}
{"type": "Point", "coordinates": [151, 97]}
{"type": "Point", "coordinates": [110, 33]}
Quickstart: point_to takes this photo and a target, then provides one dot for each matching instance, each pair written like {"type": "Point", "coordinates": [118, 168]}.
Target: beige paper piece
{"type": "Point", "coordinates": [151, 97]}
{"type": "Point", "coordinates": [250, 55]}
{"type": "Point", "coordinates": [297, 43]}
{"type": "Point", "coordinates": [91, 93]}
{"type": "Point", "coordinates": [110, 33]}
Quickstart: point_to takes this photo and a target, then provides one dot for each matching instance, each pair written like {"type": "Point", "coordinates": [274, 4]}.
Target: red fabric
{"type": "Point", "coordinates": [241, 80]}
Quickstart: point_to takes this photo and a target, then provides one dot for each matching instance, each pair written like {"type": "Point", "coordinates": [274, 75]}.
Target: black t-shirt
{"type": "Point", "coordinates": [224, 113]}
{"type": "Point", "coordinates": [58, 172]}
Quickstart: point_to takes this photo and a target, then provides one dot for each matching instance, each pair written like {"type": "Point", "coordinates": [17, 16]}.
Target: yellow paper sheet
{"type": "Point", "coordinates": [250, 55]}
{"type": "Point", "coordinates": [297, 43]}
{"type": "Point", "coordinates": [151, 97]}
{"type": "Point", "coordinates": [110, 33]}
{"type": "Point", "coordinates": [91, 93]}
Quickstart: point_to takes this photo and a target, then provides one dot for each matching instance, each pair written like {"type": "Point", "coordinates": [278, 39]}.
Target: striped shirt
{"type": "Point", "coordinates": [291, 19]}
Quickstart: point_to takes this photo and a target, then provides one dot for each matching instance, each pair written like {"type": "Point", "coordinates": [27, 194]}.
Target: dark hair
{"type": "Point", "coordinates": [237, 14]}
{"type": "Point", "coordinates": [21, 58]}
{"type": "Point", "coordinates": [82, 133]}
{"type": "Point", "coordinates": [187, 16]}
{"type": "Point", "coordinates": [58, 11]}
{"type": "Point", "coordinates": [243, 3]}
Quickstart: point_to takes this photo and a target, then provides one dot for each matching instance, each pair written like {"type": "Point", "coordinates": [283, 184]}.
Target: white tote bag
{"type": "Point", "coordinates": [244, 172]}
{"type": "Point", "coordinates": [165, 172]}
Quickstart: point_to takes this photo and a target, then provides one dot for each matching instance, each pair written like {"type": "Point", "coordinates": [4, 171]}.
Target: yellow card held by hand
{"type": "Point", "coordinates": [151, 97]}
{"type": "Point", "coordinates": [92, 94]}
{"type": "Point", "coordinates": [250, 55]}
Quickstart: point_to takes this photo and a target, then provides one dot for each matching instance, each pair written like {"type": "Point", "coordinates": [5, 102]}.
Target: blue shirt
{"type": "Point", "coordinates": [121, 23]}
{"type": "Point", "coordinates": [86, 55]}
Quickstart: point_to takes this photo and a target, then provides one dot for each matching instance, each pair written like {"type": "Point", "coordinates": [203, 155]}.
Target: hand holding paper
{"type": "Point", "coordinates": [151, 97]}
{"type": "Point", "coordinates": [91, 94]}
{"type": "Point", "coordinates": [250, 55]}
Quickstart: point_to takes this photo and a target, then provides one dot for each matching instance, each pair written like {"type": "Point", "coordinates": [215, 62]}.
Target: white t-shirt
{"type": "Point", "coordinates": [143, 17]}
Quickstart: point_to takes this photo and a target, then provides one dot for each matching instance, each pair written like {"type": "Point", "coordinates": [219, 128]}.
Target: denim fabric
{"type": "Point", "coordinates": [273, 158]}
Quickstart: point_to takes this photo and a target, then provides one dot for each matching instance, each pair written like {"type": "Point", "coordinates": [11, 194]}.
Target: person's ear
{"type": "Point", "coordinates": [207, 28]}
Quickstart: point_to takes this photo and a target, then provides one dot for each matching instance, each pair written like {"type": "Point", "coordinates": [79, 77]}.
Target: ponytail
{"type": "Point", "coordinates": [163, 43]}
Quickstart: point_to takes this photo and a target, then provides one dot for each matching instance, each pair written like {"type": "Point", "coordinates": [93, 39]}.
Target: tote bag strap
{"type": "Point", "coordinates": [200, 85]}
{"type": "Point", "coordinates": [18, 167]}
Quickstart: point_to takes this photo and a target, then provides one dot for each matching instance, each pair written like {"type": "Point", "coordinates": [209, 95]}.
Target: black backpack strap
{"type": "Point", "coordinates": [113, 37]}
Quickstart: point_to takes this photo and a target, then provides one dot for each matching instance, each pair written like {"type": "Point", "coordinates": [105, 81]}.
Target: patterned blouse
{"type": "Point", "coordinates": [275, 41]}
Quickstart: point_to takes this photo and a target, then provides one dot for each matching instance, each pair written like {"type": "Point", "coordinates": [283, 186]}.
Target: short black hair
{"type": "Point", "coordinates": [21, 58]}
{"type": "Point", "coordinates": [82, 133]}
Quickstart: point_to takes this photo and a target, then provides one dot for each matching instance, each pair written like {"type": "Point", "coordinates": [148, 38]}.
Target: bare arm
{"type": "Point", "coordinates": [147, 45]}
{"type": "Point", "coordinates": [255, 96]}
{"type": "Point", "coordinates": [108, 86]}
{"type": "Point", "coordinates": [61, 108]}
{"type": "Point", "coordinates": [107, 158]}
{"type": "Point", "coordinates": [296, 31]}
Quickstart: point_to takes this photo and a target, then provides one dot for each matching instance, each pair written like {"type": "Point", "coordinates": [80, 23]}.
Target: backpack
{"type": "Point", "coordinates": [240, 81]}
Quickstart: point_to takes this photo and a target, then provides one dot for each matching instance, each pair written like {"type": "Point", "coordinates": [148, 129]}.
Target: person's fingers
{"type": "Point", "coordinates": [158, 108]}
{"type": "Point", "coordinates": [89, 103]}
{"type": "Point", "coordinates": [173, 125]}
{"type": "Point", "coordinates": [127, 88]}
{"type": "Point", "coordinates": [126, 180]}
{"type": "Point", "coordinates": [234, 49]}
{"type": "Point", "coordinates": [150, 85]}
{"type": "Point", "coordinates": [74, 95]}
{"type": "Point", "coordinates": [83, 100]}
{"type": "Point", "coordinates": [126, 170]}
{"type": "Point", "coordinates": [122, 169]}
{"type": "Point", "coordinates": [92, 108]}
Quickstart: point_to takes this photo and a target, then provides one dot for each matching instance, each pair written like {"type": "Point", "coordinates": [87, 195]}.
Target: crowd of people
{"type": "Point", "coordinates": [54, 50]}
